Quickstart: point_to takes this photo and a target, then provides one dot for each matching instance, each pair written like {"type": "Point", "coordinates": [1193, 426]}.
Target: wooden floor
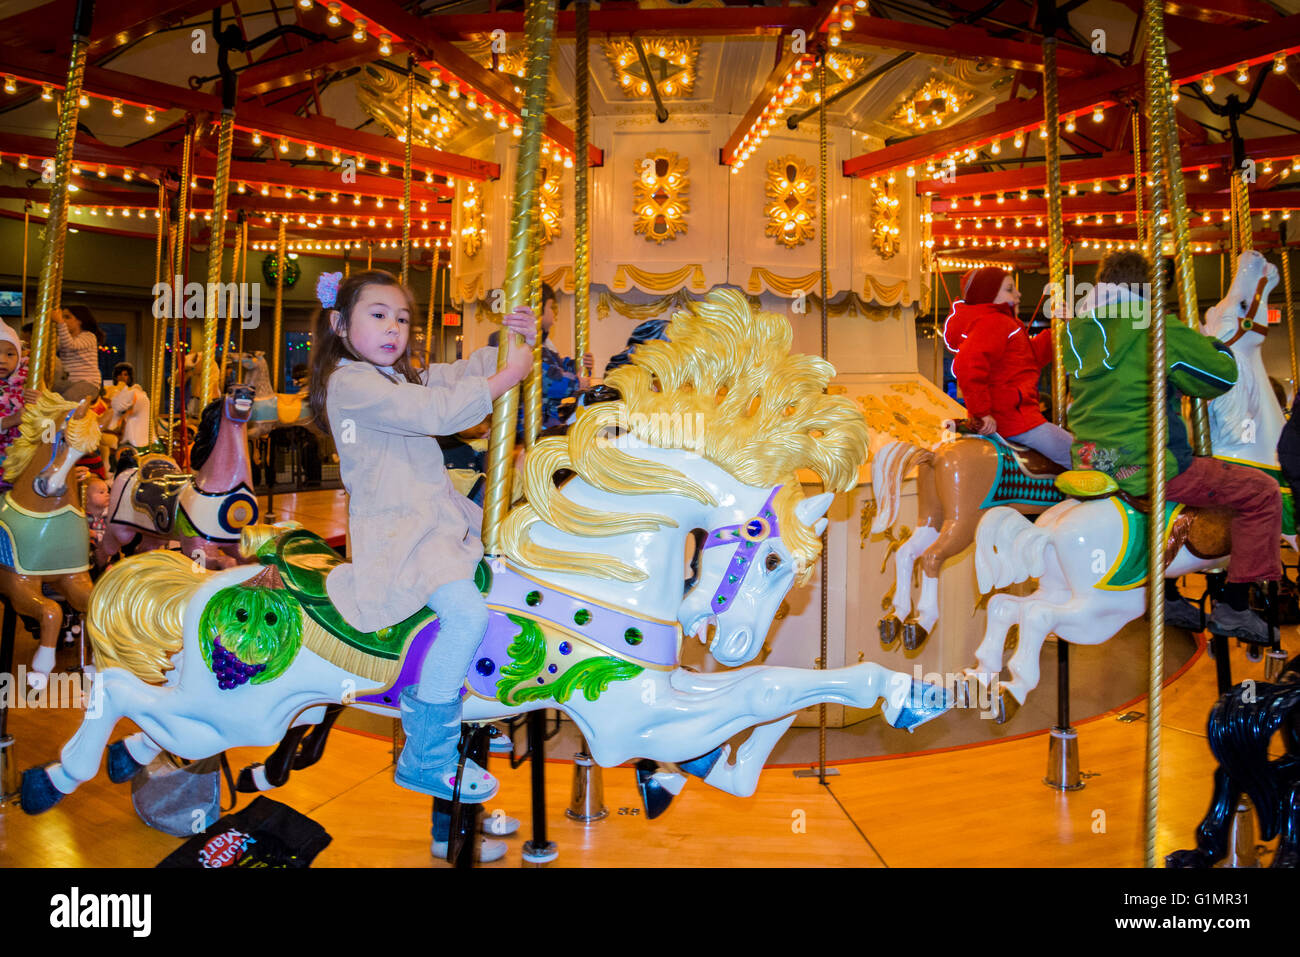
{"type": "Point", "coordinates": [975, 806]}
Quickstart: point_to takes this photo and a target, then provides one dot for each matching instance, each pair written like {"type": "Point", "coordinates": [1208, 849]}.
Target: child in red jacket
{"type": "Point", "coordinates": [997, 364]}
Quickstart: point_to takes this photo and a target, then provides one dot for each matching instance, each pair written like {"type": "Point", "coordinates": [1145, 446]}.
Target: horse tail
{"type": "Point", "coordinates": [136, 614]}
{"type": "Point", "coordinates": [1240, 730]}
{"type": "Point", "coordinates": [1008, 549]}
{"type": "Point", "coordinates": [889, 466]}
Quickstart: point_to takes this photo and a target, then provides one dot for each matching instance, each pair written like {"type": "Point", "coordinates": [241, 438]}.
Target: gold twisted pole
{"type": "Point", "coordinates": [180, 250]}
{"type": "Point", "coordinates": [822, 230]}
{"type": "Point", "coordinates": [234, 279]}
{"type": "Point", "coordinates": [279, 307]}
{"type": "Point", "coordinates": [1234, 232]}
{"type": "Point", "coordinates": [160, 355]}
{"type": "Point", "coordinates": [1139, 184]}
{"type": "Point", "coordinates": [56, 223]}
{"type": "Point", "coordinates": [22, 289]}
{"type": "Point", "coordinates": [433, 304]}
{"type": "Point", "coordinates": [1055, 228]}
{"type": "Point", "coordinates": [1290, 318]}
{"type": "Point", "coordinates": [539, 19]}
{"type": "Point", "coordinates": [159, 272]}
{"type": "Point", "coordinates": [406, 170]}
{"type": "Point", "coordinates": [1177, 215]}
{"type": "Point", "coordinates": [532, 386]}
{"type": "Point", "coordinates": [581, 239]}
{"type": "Point", "coordinates": [239, 371]}
{"type": "Point", "coordinates": [1246, 229]}
{"type": "Point", "coordinates": [1157, 85]}
{"type": "Point", "coordinates": [216, 250]}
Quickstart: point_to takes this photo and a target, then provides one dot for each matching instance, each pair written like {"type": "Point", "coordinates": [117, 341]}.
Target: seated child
{"type": "Point", "coordinates": [997, 364]}
{"type": "Point", "coordinates": [13, 379]}
{"type": "Point", "coordinates": [414, 541]}
{"type": "Point", "coordinates": [1107, 368]}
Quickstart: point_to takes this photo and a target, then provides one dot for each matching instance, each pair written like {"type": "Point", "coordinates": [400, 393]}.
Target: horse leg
{"type": "Point", "coordinates": [1288, 848]}
{"type": "Point", "coordinates": [904, 562]}
{"type": "Point", "coordinates": [1212, 833]}
{"type": "Point", "coordinates": [313, 746]}
{"type": "Point", "coordinates": [25, 593]}
{"type": "Point", "coordinates": [1003, 612]}
{"type": "Point", "coordinates": [275, 772]}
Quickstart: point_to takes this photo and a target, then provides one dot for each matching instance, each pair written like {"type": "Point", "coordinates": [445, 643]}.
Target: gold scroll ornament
{"type": "Point", "coordinates": [659, 195]}
{"type": "Point", "coordinates": [790, 210]}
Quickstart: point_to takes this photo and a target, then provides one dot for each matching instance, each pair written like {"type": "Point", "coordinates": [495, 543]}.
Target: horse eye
{"type": "Point", "coordinates": [242, 614]}
{"type": "Point", "coordinates": [773, 561]}
{"type": "Point", "coordinates": [270, 618]}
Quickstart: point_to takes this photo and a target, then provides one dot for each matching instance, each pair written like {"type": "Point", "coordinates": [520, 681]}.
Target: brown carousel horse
{"type": "Point", "coordinates": [956, 482]}
{"type": "Point", "coordinates": [43, 533]}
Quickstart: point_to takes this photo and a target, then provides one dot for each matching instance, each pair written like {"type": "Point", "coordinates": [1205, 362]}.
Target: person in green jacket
{"type": "Point", "coordinates": [1105, 354]}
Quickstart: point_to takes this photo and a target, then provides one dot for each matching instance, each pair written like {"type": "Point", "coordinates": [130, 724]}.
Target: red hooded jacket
{"type": "Point", "coordinates": [997, 364]}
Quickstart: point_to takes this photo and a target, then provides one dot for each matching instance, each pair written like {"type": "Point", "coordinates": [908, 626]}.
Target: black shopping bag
{"type": "Point", "coordinates": [264, 834]}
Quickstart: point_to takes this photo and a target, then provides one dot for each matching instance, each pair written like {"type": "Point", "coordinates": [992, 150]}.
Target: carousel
{"type": "Point", "coordinates": [865, 338]}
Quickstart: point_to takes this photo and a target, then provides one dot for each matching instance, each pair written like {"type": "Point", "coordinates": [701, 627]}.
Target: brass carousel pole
{"type": "Point", "coordinates": [523, 251]}
{"type": "Point", "coordinates": [822, 172]}
{"type": "Point", "coordinates": [1139, 183]}
{"type": "Point", "coordinates": [1157, 85]}
{"type": "Point", "coordinates": [1176, 213]}
{"type": "Point", "coordinates": [217, 246]}
{"type": "Point", "coordinates": [239, 371]}
{"type": "Point", "coordinates": [164, 325]}
{"type": "Point", "coordinates": [581, 238]}
{"type": "Point", "coordinates": [27, 214]}
{"type": "Point", "coordinates": [406, 170]}
{"type": "Point", "coordinates": [1290, 318]}
{"type": "Point", "coordinates": [56, 224]}
{"type": "Point", "coordinates": [234, 279]}
{"type": "Point", "coordinates": [180, 252]}
{"type": "Point", "coordinates": [279, 307]}
{"type": "Point", "coordinates": [159, 271]}
{"type": "Point", "coordinates": [433, 304]}
{"type": "Point", "coordinates": [370, 254]}
{"type": "Point", "coordinates": [1063, 744]}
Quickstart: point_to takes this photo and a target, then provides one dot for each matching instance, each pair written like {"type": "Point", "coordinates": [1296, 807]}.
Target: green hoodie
{"type": "Point", "coordinates": [1105, 353]}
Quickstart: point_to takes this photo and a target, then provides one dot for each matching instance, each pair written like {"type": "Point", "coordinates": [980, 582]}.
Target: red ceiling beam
{"type": "Point", "coordinates": [422, 36]}
{"type": "Point", "coordinates": [968, 42]}
{"type": "Point", "coordinates": [1107, 167]}
{"type": "Point", "coordinates": [320, 130]}
{"type": "Point", "coordinates": [628, 19]}
{"type": "Point", "coordinates": [1076, 97]}
{"type": "Point", "coordinates": [1090, 203]}
{"type": "Point", "coordinates": [1231, 12]}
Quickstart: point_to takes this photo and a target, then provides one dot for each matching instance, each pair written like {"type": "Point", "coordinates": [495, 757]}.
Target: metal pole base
{"type": "Point", "coordinates": [1274, 662]}
{"type": "Point", "coordinates": [1242, 851]}
{"type": "Point", "coordinates": [9, 787]}
{"type": "Point", "coordinates": [1063, 760]}
{"type": "Point", "coordinates": [813, 772]}
{"type": "Point", "coordinates": [587, 803]}
{"type": "Point", "coordinates": [539, 855]}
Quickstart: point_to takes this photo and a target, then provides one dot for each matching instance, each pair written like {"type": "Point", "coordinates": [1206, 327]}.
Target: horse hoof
{"type": "Point", "coordinates": [924, 702]}
{"type": "Point", "coordinates": [1007, 707]}
{"type": "Point", "coordinates": [914, 635]}
{"type": "Point", "coordinates": [246, 783]}
{"type": "Point", "coordinates": [1187, 860]}
{"type": "Point", "coordinates": [890, 631]}
{"type": "Point", "coordinates": [121, 766]}
{"type": "Point", "coordinates": [38, 792]}
{"type": "Point", "coordinates": [1254, 653]}
{"type": "Point", "coordinates": [655, 798]}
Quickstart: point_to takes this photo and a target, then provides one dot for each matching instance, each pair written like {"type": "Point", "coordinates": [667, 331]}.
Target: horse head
{"type": "Point", "coordinates": [238, 406]}
{"type": "Point", "coordinates": [68, 430]}
{"type": "Point", "coordinates": [1240, 319]}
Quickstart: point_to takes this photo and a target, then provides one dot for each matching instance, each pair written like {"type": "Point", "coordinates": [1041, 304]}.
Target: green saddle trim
{"type": "Point", "coordinates": [1129, 569]}
{"type": "Point", "coordinates": [304, 561]}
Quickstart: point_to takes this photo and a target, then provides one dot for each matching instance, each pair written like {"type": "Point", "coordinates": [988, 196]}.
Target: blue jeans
{"type": "Point", "coordinates": [463, 618]}
{"type": "Point", "coordinates": [1051, 440]}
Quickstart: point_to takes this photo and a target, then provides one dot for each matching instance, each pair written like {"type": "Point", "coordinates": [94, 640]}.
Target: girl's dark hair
{"type": "Point", "coordinates": [548, 295]}
{"type": "Point", "coordinates": [88, 323]}
{"type": "Point", "coordinates": [128, 369]}
{"type": "Point", "coordinates": [328, 347]}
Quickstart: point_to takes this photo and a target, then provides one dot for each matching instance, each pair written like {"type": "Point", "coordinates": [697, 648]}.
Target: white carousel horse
{"type": "Point", "coordinates": [587, 605]}
{"type": "Point", "coordinates": [1088, 557]}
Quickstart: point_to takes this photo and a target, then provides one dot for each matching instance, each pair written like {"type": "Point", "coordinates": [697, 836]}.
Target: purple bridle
{"type": "Point", "coordinates": [746, 538]}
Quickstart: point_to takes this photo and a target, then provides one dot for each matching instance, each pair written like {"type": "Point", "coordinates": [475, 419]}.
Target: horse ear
{"type": "Point", "coordinates": [82, 408]}
{"type": "Point", "coordinates": [811, 509]}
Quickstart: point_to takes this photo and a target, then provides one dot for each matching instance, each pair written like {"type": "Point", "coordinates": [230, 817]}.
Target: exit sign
{"type": "Point", "coordinates": [1274, 316]}
{"type": "Point", "coordinates": [451, 318]}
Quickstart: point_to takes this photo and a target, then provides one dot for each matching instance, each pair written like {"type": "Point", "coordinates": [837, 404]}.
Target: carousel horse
{"type": "Point", "coordinates": [1240, 730]}
{"type": "Point", "coordinates": [587, 604]}
{"type": "Point", "coordinates": [44, 538]}
{"type": "Point", "coordinates": [271, 409]}
{"type": "Point", "coordinates": [205, 511]}
{"type": "Point", "coordinates": [956, 481]}
{"type": "Point", "coordinates": [1089, 556]}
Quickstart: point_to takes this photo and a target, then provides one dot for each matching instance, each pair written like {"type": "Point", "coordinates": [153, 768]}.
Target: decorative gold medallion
{"type": "Point", "coordinates": [672, 66]}
{"type": "Point", "coordinates": [471, 220]}
{"type": "Point", "coordinates": [885, 232]}
{"type": "Point", "coordinates": [549, 196]}
{"type": "Point", "coordinates": [660, 203]}
{"type": "Point", "coordinates": [791, 197]}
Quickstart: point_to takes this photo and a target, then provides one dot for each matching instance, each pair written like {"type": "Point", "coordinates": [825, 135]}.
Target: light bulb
{"type": "Point", "coordinates": [1279, 66]}
{"type": "Point", "coordinates": [1020, 140]}
{"type": "Point", "coordinates": [359, 30]}
{"type": "Point", "coordinates": [1097, 114]}
{"type": "Point", "coordinates": [311, 151]}
{"type": "Point", "coordinates": [83, 101]}
{"type": "Point", "coordinates": [334, 19]}
{"type": "Point", "coordinates": [383, 166]}
{"type": "Point", "coordinates": [1069, 124]}
{"type": "Point", "coordinates": [47, 94]}
{"type": "Point", "coordinates": [1207, 83]}
{"type": "Point", "coordinates": [1203, 175]}
{"type": "Point", "coordinates": [117, 107]}
{"type": "Point", "coordinates": [385, 44]}
{"type": "Point", "coordinates": [1243, 74]}
{"type": "Point", "coordinates": [995, 148]}
{"type": "Point", "coordinates": [284, 145]}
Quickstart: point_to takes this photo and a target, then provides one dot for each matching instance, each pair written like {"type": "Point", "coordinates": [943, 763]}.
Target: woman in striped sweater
{"type": "Point", "coordinates": [79, 341]}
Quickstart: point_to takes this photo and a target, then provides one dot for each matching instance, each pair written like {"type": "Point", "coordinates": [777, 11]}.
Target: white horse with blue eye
{"type": "Point", "coordinates": [589, 601]}
{"type": "Point", "coordinates": [1090, 556]}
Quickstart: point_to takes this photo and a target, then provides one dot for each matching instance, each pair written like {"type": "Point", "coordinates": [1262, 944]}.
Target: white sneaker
{"type": "Point", "coordinates": [499, 825]}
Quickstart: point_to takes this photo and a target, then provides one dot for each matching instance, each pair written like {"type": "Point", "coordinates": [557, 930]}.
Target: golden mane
{"type": "Point", "coordinates": [726, 388]}
{"type": "Point", "coordinates": [82, 434]}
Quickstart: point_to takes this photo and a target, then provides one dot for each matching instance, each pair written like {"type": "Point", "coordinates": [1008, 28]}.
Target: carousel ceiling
{"type": "Point", "coordinates": [323, 84]}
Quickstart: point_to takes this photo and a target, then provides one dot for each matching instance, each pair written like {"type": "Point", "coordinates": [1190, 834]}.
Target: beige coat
{"type": "Point", "coordinates": [409, 531]}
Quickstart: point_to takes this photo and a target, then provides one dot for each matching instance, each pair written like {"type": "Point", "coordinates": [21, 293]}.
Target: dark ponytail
{"type": "Point", "coordinates": [328, 347]}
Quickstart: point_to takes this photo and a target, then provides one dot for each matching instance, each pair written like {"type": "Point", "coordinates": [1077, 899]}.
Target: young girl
{"type": "Point", "coordinates": [413, 540]}
{"type": "Point", "coordinates": [13, 380]}
{"type": "Point", "coordinates": [997, 364]}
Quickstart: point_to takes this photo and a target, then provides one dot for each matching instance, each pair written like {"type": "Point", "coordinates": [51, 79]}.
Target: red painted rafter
{"type": "Point", "coordinates": [425, 40]}
{"type": "Point", "coordinates": [1076, 97]}
{"type": "Point", "coordinates": [969, 42]}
